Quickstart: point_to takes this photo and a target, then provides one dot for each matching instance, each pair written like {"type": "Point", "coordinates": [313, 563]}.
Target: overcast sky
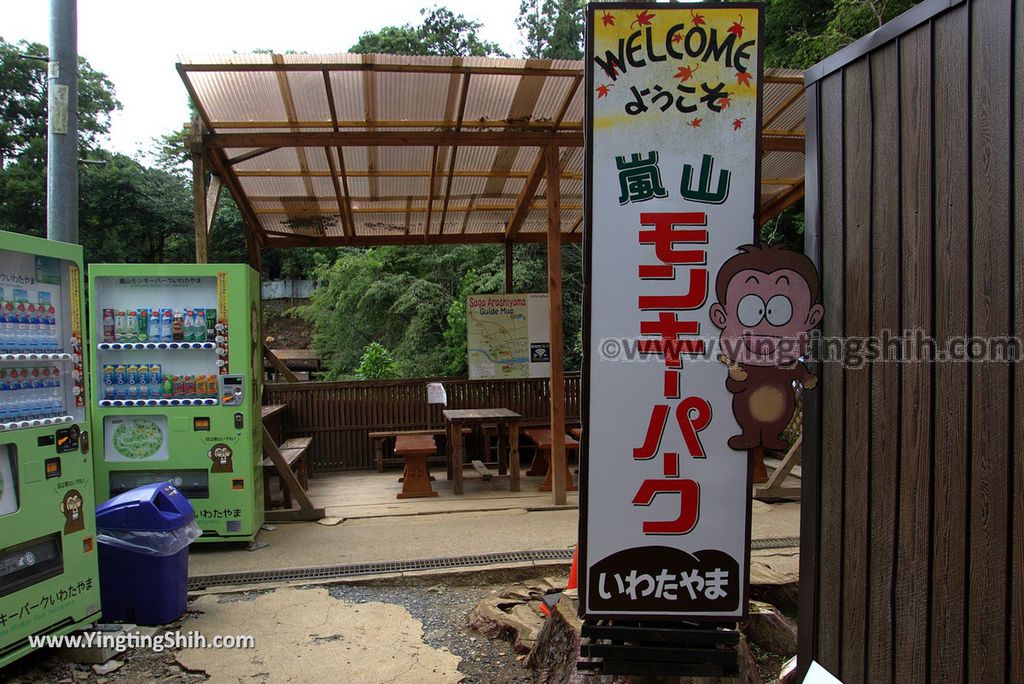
{"type": "Point", "coordinates": [137, 43]}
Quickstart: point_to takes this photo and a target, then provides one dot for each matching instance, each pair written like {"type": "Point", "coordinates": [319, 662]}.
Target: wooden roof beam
{"type": "Point", "coordinates": [792, 143]}
{"type": "Point", "coordinates": [455, 150]}
{"type": "Point", "coordinates": [781, 202]}
{"type": "Point", "coordinates": [401, 209]}
{"type": "Point", "coordinates": [344, 199]}
{"type": "Point", "coordinates": [257, 173]}
{"type": "Point", "coordinates": [526, 197]}
{"type": "Point", "coordinates": [396, 139]}
{"type": "Point", "coordinates": [337, 193]}
{"type": "Point", "coordinates": [250, 155]}
{"type": "Point", "coordinates": [279, 240]}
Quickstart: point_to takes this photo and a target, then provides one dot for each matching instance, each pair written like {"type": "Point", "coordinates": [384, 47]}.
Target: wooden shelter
{"type": "Point", "coordinates": [365, 150]}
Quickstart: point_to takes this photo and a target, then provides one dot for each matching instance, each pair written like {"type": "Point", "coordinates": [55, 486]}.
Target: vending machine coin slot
{"type": "Point", "coordinates": [239, 421]}
{"type": "Point", "coordinates": [67, 439]}
{"type": "Point", "coordinates": [232, 390]}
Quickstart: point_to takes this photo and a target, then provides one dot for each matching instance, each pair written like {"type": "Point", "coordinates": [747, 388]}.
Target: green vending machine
{"type": "Point", "coordinates": [176, 380]}
{"type": "Point", "coordinates": [48, 568]}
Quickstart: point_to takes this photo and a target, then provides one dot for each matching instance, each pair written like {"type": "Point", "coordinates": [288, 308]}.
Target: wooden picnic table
{"type": "Point", "coordinates": [507, 423]}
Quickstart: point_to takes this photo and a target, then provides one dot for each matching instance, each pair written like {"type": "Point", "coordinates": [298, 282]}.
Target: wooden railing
{"type": "Point", "coordinates": [340, 415]}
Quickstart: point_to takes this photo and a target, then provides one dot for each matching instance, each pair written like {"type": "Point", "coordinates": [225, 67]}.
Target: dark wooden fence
{"type": "Point", "coordinates": [912, 551]}
{"type": "Point", "coordinates": [341, 415]}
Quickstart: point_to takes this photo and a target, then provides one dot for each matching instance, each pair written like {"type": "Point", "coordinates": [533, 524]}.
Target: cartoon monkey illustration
{"type": "Point", "coordinates": [220, 454]}
{"type": "Point", "coordinates": [767, 304]}
{"type": "Point", "coordinates": [71, 507]}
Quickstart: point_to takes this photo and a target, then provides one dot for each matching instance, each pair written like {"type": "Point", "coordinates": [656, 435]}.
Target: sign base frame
{"type": "Point", "coordinates": [694, 649]}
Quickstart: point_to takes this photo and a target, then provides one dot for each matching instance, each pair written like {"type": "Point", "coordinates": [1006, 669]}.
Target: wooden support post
{"type": "Point", "coordinates": [508, 266]}
{"type": "Point", "coordinates": [199, 193]}
{"type": "Point", "coordinates": [555, 315]}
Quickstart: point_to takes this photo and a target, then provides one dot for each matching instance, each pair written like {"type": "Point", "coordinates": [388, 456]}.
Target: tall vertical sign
{"type": "Point", "coordinates": [673, 117]}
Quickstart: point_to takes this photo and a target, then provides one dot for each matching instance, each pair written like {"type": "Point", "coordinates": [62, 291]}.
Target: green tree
{"type": "Point", "coordinates": [442, 32]}
{"type": "Point", "coordinates": [552, 29]}
{"type": "Point", "coordinates": [377, 363]}
{"type": "Point", "coordinates": [830, 29]}
{"type": "Point", "coordinates": [23, 101]}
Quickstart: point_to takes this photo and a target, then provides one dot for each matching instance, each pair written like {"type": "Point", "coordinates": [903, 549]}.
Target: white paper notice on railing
{"type": "Point", "coordinates": [436, 394]}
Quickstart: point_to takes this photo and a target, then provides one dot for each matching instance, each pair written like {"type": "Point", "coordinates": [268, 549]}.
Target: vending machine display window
{"type": "Point", "coordinates": [41, 373]}
{"type": "Point", "coordinates": [161, 340]}
{"type": "Point", "coordinates": [8, 479]}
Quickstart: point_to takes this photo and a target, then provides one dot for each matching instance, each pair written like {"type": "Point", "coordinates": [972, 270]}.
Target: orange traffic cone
{"type": "Point", "coordinates": [570, 587]}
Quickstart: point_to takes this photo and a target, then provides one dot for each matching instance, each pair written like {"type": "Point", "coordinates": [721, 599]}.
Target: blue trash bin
{"type": "Point", "coordinates": [143, 537]}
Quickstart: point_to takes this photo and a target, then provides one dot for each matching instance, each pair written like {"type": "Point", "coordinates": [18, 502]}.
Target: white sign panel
{"type": "Point", "coordinates": [508, 336]}
{"type": "Point", "coordinates": [672, 161]}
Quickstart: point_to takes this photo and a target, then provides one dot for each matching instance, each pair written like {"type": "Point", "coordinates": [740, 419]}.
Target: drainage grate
{"type": "Point", "coordinates": [328, 572]}
{"type": "Point", "coordinates": [780, 543]}
{"type": "Point", "coordinates": [383, 567]}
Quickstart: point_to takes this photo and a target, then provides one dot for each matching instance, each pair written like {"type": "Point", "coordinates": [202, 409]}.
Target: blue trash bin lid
{"type": "Point", "coordinates": [158, 506]}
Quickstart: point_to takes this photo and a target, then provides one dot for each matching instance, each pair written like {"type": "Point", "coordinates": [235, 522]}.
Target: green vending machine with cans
{"type": "Point", "coordinates": [48, 567]}
{"type": "Point", "coordinates": [176, 380]}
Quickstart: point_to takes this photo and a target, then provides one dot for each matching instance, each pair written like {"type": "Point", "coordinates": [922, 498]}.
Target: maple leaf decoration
{"type": "Point", "coordinates": [697, 19]}
{"type": "Point", "coordinates": [724, 101]}
{"type": "Point", "coordinates": [677, 38]}
{"type": "Point", "coordinates": [737, 124]}
{"type": "Point", "coordinates": [743, 78]}
{"type": "Point", "coordinates": [602, 90]}
{"type": "Point", "coordinates": [642, 19]}
{"type": "Point", "coordinates": [685, 73]}
{"type": "Point", "coordinates": [695, 123]}
{"type": "Point", "coordinates": [737, 28]}
{"type": "Point", "coordinates": [607, 19]}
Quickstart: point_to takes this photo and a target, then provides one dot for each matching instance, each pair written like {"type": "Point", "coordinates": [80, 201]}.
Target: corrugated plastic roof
{"type": "Point", "coordinates": [306, 144]}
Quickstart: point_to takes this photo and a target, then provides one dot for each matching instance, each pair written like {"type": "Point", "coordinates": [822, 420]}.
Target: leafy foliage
{"type": "Point", "coordinates": [23, 101]}
{"type": "Point", "coordinates": [377, 363]}
{"type": "Point", "coordinates": [412, 300]}
{"type": "Point", "coordinates": [552, 29]}
{"type": "Point", "coordinates": [442, 33]}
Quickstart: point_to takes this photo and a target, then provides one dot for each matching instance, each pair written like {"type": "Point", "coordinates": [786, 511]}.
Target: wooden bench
{"type": "Point", "coordinates": [542, 461]}
{"type": "Point", "coordinates": [381, 437]}
{"type": "Point", "coordinates": [294, 453]}
{"type": "Point", "coordinates": [415, 449]}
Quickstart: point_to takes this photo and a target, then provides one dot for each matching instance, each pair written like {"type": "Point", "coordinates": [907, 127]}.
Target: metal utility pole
{"type": "Point", "coordinates": [62, 123]}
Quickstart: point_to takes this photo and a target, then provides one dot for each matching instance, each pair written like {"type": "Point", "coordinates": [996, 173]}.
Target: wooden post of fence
{"type": "Point", "coordinates": [557, 464]}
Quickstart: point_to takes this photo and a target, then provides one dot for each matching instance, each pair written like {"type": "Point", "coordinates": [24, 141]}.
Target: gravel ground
{"type": "Point", "coordinates": [442, 607]}
{"type": "Point", "coordinates": [443, 611]}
